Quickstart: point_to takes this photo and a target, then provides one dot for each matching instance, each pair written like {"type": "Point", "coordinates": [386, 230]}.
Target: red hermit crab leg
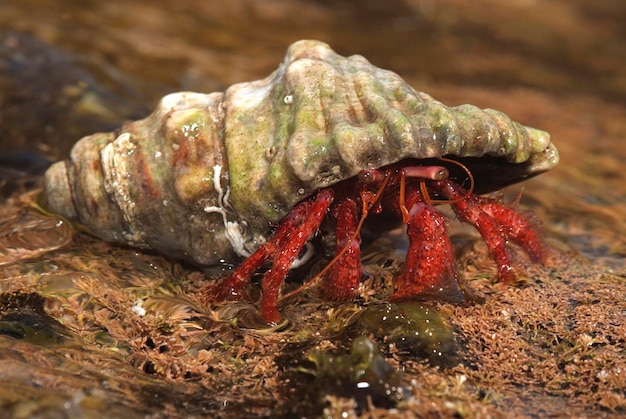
{"type": "Point", "coordinates": [516, 227]}
{"type": "Point", "coordinates": [496, 224]}
{"type": "Point", "coordinates": [284, 246]}
{"type": "Point", "coordinates": [430, 267]}
{"type": "Point", "coordinates": [342, 280]}
{"type": "Point", "coordinates": [470, 210]}
{"type": "Point", "coordinates": [343, 274]}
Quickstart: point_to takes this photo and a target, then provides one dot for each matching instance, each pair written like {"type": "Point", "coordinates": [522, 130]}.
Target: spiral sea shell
{"type": "Point", "coordinates": [205, 176]}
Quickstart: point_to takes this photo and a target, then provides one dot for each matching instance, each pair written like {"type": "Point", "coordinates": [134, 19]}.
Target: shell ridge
{"type": "Point", "coordinates": [286, 99]}
{"type": "Point", "coordinates": [95, 209]}
{"type": "Point", "coordinates": [246, 128]}
{"type": "Point", "coordinates": [523, 151]}
{"type": "Point", "coordinates": [508, 133]}
{"type": "Point", "coordinates": [365, 142]}
{"type": "Point", "coordinates": [116, 183]}
{"type": "Point", "coordinates": [311, 147]}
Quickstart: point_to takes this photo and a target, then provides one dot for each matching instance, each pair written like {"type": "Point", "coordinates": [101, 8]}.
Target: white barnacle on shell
{"type": "Point", "coordinates": [232, 229]}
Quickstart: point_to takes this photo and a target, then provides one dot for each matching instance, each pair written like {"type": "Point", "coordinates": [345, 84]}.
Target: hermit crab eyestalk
{"type": "Point", "coordinates": [370, 176]}
{"type": "Point", "coordinates": [426, 172]}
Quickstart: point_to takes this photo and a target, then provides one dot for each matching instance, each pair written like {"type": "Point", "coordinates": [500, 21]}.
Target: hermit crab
{"type": "Point", "coordinates": [326, 144]}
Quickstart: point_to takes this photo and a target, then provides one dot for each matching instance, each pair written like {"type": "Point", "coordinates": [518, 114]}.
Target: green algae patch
{"type": "Point", "coordinates": [412, 327]}
{"type": "Point", "coordinates": [23, 318]}
{"type": "Point", "coordinates": [362, 374]}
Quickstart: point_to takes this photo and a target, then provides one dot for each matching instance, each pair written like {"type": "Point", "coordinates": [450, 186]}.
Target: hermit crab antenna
{"type": "Point", "coordinates": [470, 191]}
{"type": "Point", "coordinates": [401, 200]}
{"type": "Point", "coordinates": [465, 169]}
{"type": "Point", "coordinates": [427, 197]}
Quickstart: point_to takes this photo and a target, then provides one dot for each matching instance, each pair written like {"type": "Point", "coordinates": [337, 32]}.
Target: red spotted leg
{"type": "Point", "coordinates": [517, 227]}
{"type": "Point", "coordinates": [294, 231]}
{"type": "Point", "coordinates": [495, 223]}
{"type": "Point", "coordinates": [430, 266]}
{"type": "Point", "coordinates": [342, 280]}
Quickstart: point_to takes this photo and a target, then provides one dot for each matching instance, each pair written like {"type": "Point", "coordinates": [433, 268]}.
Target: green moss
{"type": "Point", "coordinates": [362, 374]}
{"type": "Point", "coordinates": [414, 327]}
{"type": "Point", "coordinates": [22, 317]}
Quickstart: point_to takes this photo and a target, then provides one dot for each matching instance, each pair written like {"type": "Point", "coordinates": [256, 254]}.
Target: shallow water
{"type": "Point", "coordinates": [71, 68]}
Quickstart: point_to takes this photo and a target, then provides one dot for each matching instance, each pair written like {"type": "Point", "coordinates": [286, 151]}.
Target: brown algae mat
{"type": "Point", "coordinates": [91, 329]}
